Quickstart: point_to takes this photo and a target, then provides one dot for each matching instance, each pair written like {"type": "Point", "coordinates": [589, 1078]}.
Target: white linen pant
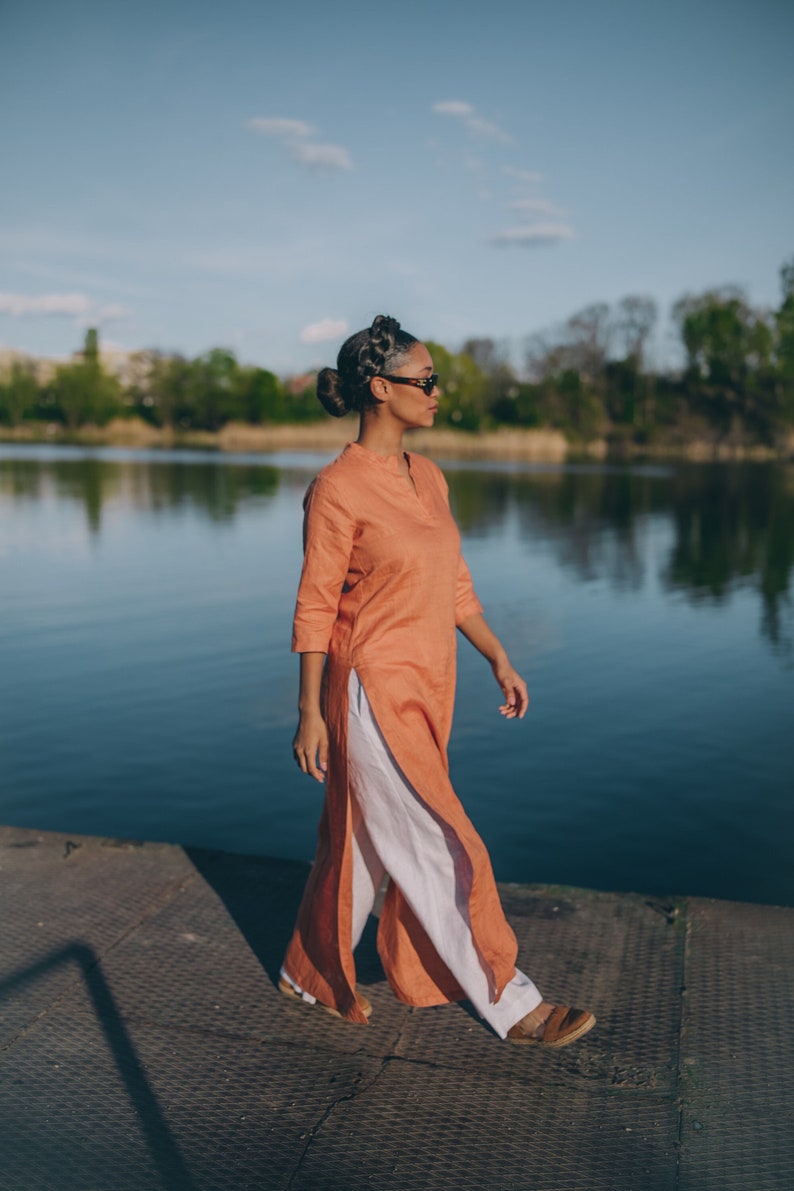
{"type": "Point", "coordinates": [395, 832]}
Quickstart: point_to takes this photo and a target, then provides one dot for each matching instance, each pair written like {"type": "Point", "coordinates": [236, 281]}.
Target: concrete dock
{"type": "Point", "coordinates": [143, 1043]}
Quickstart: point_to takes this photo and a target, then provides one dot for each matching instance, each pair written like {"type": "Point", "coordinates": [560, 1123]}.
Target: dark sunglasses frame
{"type": "Point", "coordinates": [428, 383]}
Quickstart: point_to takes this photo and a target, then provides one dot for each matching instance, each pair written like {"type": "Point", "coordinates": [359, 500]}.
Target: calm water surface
{"type": "Point", "coordinates": [147, 689]}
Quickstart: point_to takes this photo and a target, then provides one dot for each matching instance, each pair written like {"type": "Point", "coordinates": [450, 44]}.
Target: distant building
{"type": "Point", "coordinates": [43, 368]}
{"type": "Point", "coordinates": [298, 384]}
{"type": "Point", "coordinates": [126, 365]}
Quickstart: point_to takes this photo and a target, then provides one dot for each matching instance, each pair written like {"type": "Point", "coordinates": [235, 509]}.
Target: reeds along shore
{"type": "Point", "coordinates": [505, 444]}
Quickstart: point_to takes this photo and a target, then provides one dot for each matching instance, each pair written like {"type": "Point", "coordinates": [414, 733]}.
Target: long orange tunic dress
{"type": "Point", "coordinates": [382, 589]}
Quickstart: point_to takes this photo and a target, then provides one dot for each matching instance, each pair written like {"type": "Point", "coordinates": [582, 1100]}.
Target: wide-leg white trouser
{"type": "Point", "coordinates": [395, 833]}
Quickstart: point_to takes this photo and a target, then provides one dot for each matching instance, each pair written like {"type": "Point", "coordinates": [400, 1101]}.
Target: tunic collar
{"type": "Point", "coordinates": [390, 462]}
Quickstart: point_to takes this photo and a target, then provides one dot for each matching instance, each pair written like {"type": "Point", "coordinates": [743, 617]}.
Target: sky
{"type": "Point", "coordinates": [269, 178]}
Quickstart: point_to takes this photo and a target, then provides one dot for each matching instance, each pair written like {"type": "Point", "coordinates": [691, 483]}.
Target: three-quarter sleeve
{"type": "Point", "coordinates": [328, 533]}
{"type": "Point", "coordinates": [466, 602]}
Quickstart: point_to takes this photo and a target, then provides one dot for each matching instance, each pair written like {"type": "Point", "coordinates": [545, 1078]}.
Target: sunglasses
{"type": "Point", "coordinates": [428, 383]}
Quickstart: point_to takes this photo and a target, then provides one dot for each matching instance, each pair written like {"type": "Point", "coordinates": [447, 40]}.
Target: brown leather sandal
{"type": "Point", "coordinates": [561, 1027]}
{"type": "Point", "coordinates": [289, 991]}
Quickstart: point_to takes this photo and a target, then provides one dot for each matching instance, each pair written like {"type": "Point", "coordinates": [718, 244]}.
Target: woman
{"type": "Point", "coordinates": [382, 589]}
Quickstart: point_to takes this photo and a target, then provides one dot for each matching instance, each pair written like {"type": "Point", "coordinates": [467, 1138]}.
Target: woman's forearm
{"type": "Point", "coordinates": [477, 630]}
{"type": "Point", "coordinates": [310, 746]}
{"type": "Point", "coordinates": [311, 677]}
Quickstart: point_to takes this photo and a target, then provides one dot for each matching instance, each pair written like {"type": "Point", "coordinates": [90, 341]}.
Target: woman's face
{"type": "Point", "coordinates": [410, 404]}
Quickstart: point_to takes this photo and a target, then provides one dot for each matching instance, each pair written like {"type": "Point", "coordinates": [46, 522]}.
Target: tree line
{"type": "Point", "coordinates": [590, 378]}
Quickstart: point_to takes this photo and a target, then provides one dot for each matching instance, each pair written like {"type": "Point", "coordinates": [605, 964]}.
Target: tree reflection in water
{"type": "Point", "coordinates": [215, 487]}
{"type": "Point", "coordinates": [733, 526]}
{"type": "Point", "coordinates": [148, 689]}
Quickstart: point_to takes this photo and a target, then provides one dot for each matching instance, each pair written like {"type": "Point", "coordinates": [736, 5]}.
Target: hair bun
{"type": "Point", "coordinates": [376, 350]}
{"type": "Point", "coordinates": [330, 392]}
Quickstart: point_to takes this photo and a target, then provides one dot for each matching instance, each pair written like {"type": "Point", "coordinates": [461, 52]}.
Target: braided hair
{"type": "Point", "coordinates": [368, 353]}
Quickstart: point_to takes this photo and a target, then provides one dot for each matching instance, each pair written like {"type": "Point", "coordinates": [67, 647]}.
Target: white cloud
{"type": "Point", "coordinates": [321, 157]}
{"type": "Point", "coordinates": [296, 134]}
{"type": "Point", "coordinates": [327, 328]}
{"type": "Point", "coordinates": [80, 307]}
{"type": "Point", "coordinates": [44, 305]}
{"type": "Point", "coordinates": [531, 234]}
{"type": "Point", "coordinates": [487, 128]}
{"type": "Point", "coordinates": [474, 123]}
{"type": "Point", "coordinates": [531, 207]}
{"type": "Point", "coordinates": [523, 175]}
{"type": "Point", "coordinates": [453, 107]}
{"type": "Point", "coordinates": [281, 126]}
{"type": "Point", "coordinates": [111, 313]}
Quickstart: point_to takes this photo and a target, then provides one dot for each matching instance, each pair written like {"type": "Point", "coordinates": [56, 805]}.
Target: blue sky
{"type": "Point", "coordinates": [265, 178]}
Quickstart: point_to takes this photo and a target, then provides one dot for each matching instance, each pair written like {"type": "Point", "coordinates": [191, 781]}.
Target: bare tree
{"type": "Point", "coordinates": [544, 358]}
{"type": "Point", "coordinates": [589, 333]}
{"type": "Point", "coordinates": [483, 352]}
{"type": "Point", "coordinates": [636, 318]}
{"type": "Point", "coordinates": [492, 356]}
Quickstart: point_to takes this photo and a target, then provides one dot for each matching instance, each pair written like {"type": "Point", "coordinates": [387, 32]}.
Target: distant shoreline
{"type": "Point", "coordinates": [504, 444]}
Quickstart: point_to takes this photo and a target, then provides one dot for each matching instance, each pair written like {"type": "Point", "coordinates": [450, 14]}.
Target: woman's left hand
{"type": "Point", "coordinates": [514, 690]}
{"type": "Point", "coordinates": [476, 629]}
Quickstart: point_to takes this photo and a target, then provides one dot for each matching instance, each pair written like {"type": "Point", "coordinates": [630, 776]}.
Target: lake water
{"type": "Point", "coordinates": [147, 689]}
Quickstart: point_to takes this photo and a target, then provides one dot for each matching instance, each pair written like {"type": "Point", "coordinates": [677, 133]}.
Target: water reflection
{"type": "Point", "coordinates": [736, 528]}
{"type": "Point", "coordinates": [730, 526]}
{"type": "Point", "coordinates": [207, 486]}
{"type": "Point", "coordinates": [148, 690]}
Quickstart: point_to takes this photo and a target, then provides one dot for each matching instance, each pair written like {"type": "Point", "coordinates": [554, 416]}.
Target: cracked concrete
{"type": "Point", "coordinates": [143, 1042]}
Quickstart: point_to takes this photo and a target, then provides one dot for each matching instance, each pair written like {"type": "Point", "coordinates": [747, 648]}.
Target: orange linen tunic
{"type": "Point", "coordinates": [382, 589]}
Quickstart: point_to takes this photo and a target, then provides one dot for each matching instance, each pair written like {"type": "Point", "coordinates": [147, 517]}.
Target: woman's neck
{"type": "Point", "coordinates": [384, 438]}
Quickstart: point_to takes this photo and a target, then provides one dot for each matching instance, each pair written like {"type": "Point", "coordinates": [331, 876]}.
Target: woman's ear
{"type": "Point", "coordinates": [379, 388]}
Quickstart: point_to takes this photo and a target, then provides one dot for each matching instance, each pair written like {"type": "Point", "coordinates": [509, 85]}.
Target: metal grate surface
{"type": "Point", "coordinates": [127, 1106]}
{"type": "Point", "coordinates": [737, 1049]}
{"type": "Point", "coordinates": [144, 1044]}
{"type": "Point", "coordinates": [66, 898]}
{"type": "Point", "coordinates": [428, 1129]}
{"type": "Point", "coordinates": [610, 953]}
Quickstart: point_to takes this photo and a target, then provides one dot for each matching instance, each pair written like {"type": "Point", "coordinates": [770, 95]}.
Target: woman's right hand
{"type": "Point", "coordinates": [310, 746]}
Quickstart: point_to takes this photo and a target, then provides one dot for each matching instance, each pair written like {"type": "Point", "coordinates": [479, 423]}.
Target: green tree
{"type": "Point", "coordinates": [261, 396]}
{"type": "Point", "coordinates": [18, 393]}
{"type": "Point", "coordinates": [569, 376]}
{"type": "Point", "coordinates": [589, 336]}
{"type": "Point", "coordinates": [784, 344]}
{"type": "Point", "coordinates": [517, 406]}
{"type": "Point", "coordinates": [464, 388]}
{"type": "Point", "coordinates": [629, 387]}
{"type": "Point", "coordinates": [83, 392]}
{"type": "Point", "coordinates": [300, 400]}
{"type": "Point", "coordinates": [501, 388]}
{"type": "Point", "coordinates": [729, 345]}
{"type": "Point", "coordinates": [172, 390]}
{"type": "Point", "coordinates": [91, 347]}
{"type": "Point", "coordinates": [144, 394]}
{"type": "Point", "coordinates": [214, 389]}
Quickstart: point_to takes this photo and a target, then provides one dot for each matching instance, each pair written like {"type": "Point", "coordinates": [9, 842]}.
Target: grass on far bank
{"type": "Point", "coordinates": [330, 436]}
